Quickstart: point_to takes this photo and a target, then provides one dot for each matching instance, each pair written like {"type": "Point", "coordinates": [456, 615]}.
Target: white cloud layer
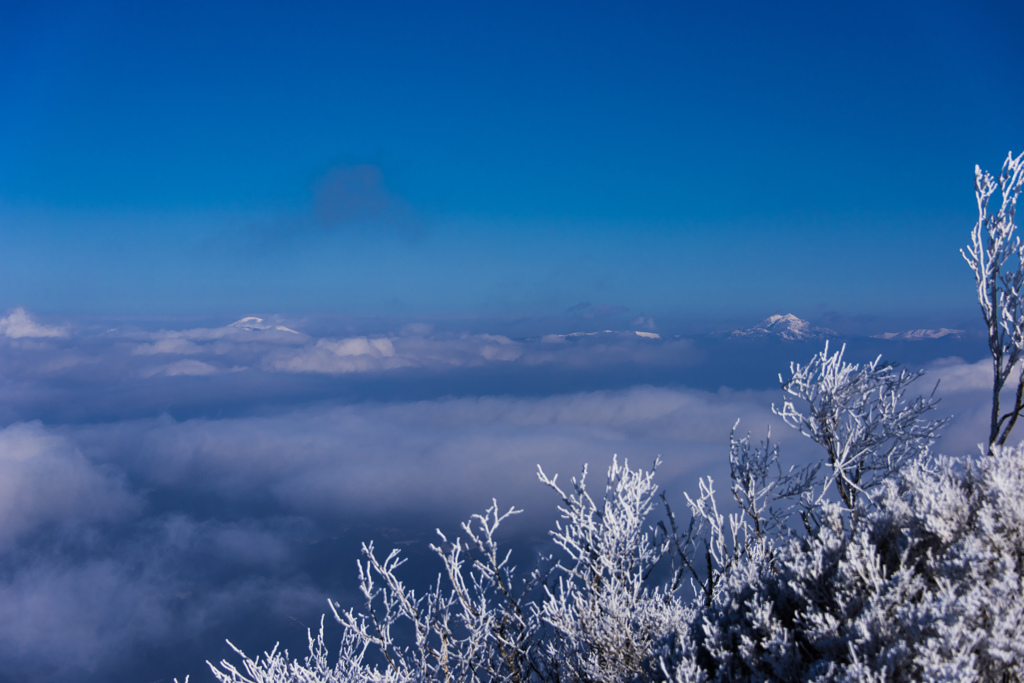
{"type": "Point", "coordinates": [448, 454]}
{"type": "Point", "coordinates": [191, 368]}
{"type": "Point", "coordinates": [188, 485]}
{"type": "Point", "coordinates": [365, 354]}
{"type": "Point", "coordinates": [19, 324]}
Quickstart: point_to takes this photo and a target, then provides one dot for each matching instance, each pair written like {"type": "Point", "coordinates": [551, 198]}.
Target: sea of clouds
{"type": "Point", "coordinates": [164, 489]}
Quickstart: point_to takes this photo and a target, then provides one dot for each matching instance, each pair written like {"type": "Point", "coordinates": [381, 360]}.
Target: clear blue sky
{"type": "Point", "coordinates": [468, 158]}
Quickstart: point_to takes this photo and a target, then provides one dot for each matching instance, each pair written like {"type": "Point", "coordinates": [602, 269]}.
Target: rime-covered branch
{"type": "Point", "coordinates": [995, 257]}
{"type": "Point", "coordinates": [860, 416]}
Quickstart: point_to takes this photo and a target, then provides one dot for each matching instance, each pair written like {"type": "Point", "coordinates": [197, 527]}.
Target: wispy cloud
{"type": "Point", "coordinates": [133, 579]}
{"type": "Point", "coordinates": [350, 200]}
{"type": "Point", "coordinates": [172, 345]}
{"type": "Point", "coordinates": [45, 479]}
{"type": "Point", "coordinates": [191, 368]}
{"type": "Point", "coordinates": [363, 354]}
{"type": "Point", "coordinates": [357, 198]}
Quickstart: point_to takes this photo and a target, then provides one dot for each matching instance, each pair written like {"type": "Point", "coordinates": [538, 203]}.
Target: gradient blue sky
{"type": "Point", "coordinates": [680, 160]}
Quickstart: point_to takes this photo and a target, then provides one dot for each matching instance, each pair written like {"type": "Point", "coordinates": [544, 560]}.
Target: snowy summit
{"type": "Point", "coordinates": [788, 327]}
{"type": "Point", "coordinates": [253, 323]}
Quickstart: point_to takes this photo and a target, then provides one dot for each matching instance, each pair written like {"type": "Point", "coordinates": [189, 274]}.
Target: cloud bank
{"type": "Point", "coordinates": [164, 489]}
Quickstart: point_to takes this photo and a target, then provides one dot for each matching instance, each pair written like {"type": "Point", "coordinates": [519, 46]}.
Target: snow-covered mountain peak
{"type": "Point", "coordinates": [788, 327]}
{"type": "Point", "coordinates": [251, 322]}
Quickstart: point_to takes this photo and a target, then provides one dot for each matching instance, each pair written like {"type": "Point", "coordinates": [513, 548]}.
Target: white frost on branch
{"type": "Point", "coordinates": [860, 416]}
{"type": "Point", "coordinates": [995, 256]}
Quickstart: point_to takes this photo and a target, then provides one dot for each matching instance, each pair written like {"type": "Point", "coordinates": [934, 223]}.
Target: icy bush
{"type": "Point", "coordinates": [879, 562]}
{"type": "Point", "coordinates": [923, 579]}
{"type": "Point", "coordinates": [859, 415]}
{"type": "Point", "coordinates": [594, 615]}
{"type": "Point", "coordinates": [915, 572]}
{"type": "Point", "coordinates": [927, 585]}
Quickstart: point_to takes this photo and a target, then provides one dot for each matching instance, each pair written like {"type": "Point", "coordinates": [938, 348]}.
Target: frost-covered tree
{"type": "Point", "coordinates": [615, 604]}
{"type": "Point", "coordinates": [878, 562]}
{"type": "Point", "coordinates": [995, 256]}
{"type": "Point", "coordinates": [859, 414]}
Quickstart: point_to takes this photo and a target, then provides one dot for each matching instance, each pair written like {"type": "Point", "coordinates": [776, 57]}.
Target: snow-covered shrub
{"type": "Point", "coordinates": [476, 623]}
{"type": "Point", "coordinates": [926, 585]}
{"type": "Point", "coordinates": [604, 613]}
{"type": "Point", "coordinates": [277, 666]}
{"type": "Point", "coordinates": [594, 615]}
{"type": "Point", "coordinates": [880, 562]}
{"type": "Point", "coordinates": [921, 580]}
{"type": "Point", "coordinates": [860, 416]}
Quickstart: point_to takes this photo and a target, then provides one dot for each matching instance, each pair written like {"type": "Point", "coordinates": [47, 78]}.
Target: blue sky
{"type": "Point", "coordinates": [475, 159]}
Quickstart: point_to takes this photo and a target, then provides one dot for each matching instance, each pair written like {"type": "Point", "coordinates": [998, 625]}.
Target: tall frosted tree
{"type": "Point", "coordinates": [996, 256]}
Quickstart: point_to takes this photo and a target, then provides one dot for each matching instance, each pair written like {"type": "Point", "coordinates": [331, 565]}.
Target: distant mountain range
{"type": "Point", "coordinates": [613, 333]}
{"type": "Point", "coordinates": [791, 328]}
{"type": "Point", "coordinates": [916, 335]}
{"type": "Point", "coordinates": [786, 327]}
